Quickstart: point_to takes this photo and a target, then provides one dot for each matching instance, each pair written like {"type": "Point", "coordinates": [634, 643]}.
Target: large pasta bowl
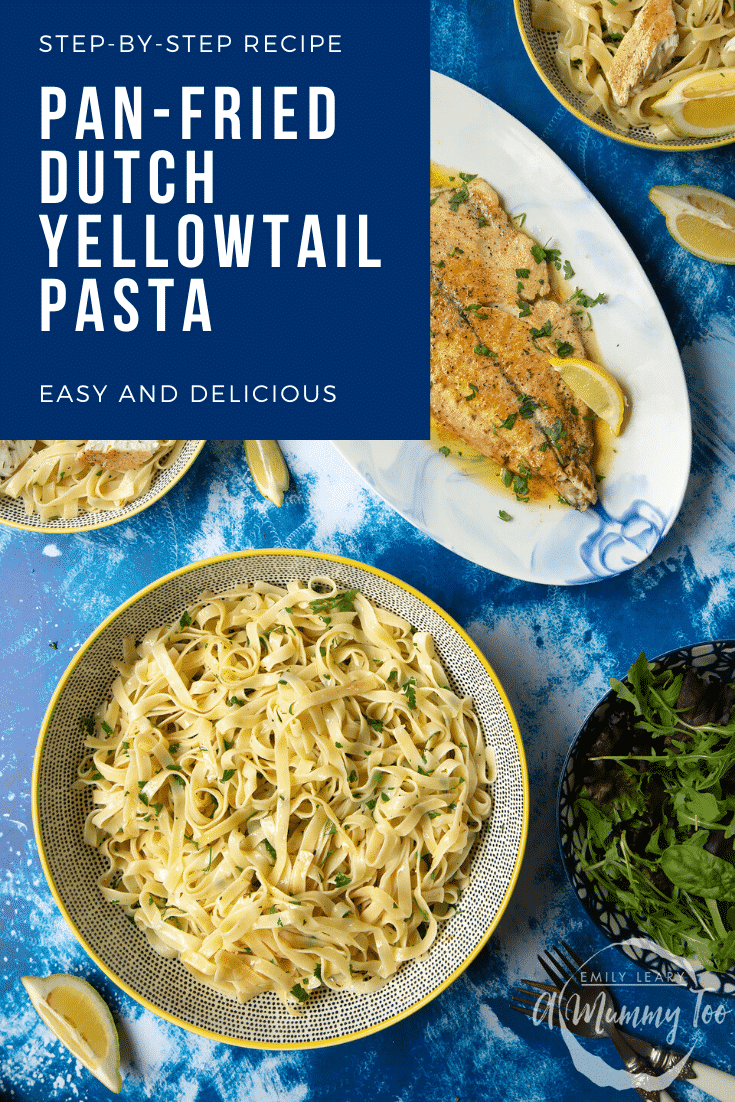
{"type": "Point", "coordinates": [121, 949]}
{"type": "Point", "coordinates": [171, 468]}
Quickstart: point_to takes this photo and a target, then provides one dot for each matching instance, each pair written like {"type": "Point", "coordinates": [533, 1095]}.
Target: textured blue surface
{"type": "Point", "coordinates": [552, 648]}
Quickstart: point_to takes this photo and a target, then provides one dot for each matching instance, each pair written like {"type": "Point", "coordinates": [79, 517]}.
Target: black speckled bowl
{"type": "Point", "coordinates": [715, 660]}
{"type": "Point", "coordinates": [541, 49]}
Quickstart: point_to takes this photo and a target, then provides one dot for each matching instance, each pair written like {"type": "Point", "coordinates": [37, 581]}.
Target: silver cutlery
{"type": "Point", "coordinates": [713, 1081]}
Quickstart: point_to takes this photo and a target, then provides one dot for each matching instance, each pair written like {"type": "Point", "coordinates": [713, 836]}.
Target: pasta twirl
{"type": "Point", "coordinates": [287, 790]}
{"type": "Point", "coordinates": [54, 483]}
{"type": "Point", "coordinates": [589, 34]}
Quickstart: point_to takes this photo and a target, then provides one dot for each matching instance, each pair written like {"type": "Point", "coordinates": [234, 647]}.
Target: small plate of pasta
{"type": "Point", "coordinates": [78, 485]}
{"type": "Point", "coordinates": [280, 798]}
{"type": "Point", "coordinates": [610, 61]}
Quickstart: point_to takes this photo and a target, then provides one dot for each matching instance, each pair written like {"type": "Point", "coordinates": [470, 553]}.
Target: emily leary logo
{"type": "Point", "coordinates": [582, 1008]}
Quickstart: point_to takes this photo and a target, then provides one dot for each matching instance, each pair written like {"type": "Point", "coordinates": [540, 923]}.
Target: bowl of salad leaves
{"type": "Point", "coordinates": [647, 815]}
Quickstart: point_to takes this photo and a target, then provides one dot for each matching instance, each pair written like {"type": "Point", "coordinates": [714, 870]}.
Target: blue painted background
{"type": "Point", "coordinates": [553, 649]}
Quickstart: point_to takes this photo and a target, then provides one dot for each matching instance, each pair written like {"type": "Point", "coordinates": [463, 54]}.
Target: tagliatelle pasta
{"type": "Point", "coordinates": [53, 483]}
{"type": "Point", "coordinates": [589, 34]}
{"type": "Point", "coordinates": [287, 790]}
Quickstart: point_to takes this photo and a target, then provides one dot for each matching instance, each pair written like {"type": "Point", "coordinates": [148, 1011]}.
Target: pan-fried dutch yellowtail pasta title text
{"type": "Point", "coordinates": [165, 246]}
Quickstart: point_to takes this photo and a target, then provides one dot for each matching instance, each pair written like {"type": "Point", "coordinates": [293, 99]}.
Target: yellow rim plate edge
{"type": "Point", "coordinates": [323, 557]}
{"type": "Point", "coordinates": [105, 523]}
{"type": "Point", "coordinates": [666, 147]}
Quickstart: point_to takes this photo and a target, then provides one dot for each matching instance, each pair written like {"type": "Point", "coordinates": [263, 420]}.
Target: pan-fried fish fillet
{"type": "Point", "coordinates": [492, 384]}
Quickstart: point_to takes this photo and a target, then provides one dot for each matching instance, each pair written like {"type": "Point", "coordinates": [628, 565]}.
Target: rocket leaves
{"type": "Point", "coordinates": [657, 808]}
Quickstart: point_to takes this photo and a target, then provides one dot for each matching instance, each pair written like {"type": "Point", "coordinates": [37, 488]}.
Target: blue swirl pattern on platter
{"type": "Point", "coordinates": [454, 500]}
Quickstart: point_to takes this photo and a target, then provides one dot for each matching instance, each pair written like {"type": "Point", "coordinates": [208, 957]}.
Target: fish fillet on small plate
{"type": "Point", "coordinates": [459, 499]}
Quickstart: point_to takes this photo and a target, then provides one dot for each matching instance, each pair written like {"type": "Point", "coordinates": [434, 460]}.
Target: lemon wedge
{"type": "Point", "coordinates": [700, 106]}
{"type": "Point", "coordinates": [81, 1020]}
{"type": "Point", "coordinates": [702, 221]}
{"type": "Point", "coordinates": [268, 468]}
{"type": "Point", "coordinates": [595, 386]}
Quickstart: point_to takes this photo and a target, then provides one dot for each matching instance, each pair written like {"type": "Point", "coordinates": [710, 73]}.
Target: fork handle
{"type": "Point", "coordinates": [720, 1084]}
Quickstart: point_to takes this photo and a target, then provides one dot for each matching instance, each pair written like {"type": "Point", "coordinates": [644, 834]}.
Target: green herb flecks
{"type": "Point", "coordinates": [410, 692]}
{"type": "Point", "coordinates": [541, 253]}
{"type": "Point", "coordinates": [340, 602]}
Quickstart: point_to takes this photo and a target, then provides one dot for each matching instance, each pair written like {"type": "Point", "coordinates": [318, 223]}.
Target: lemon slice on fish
{"type": "Point", "coordinates": [702, 221]}
{"type": "Point", "coordinates": [700, 106]}
{"type": "Point", "coordinates": [81, 1020]}
{"type": "Point", "coordinates": [595, 386]}
{"type": "Point", "coordinates": [268, 468]}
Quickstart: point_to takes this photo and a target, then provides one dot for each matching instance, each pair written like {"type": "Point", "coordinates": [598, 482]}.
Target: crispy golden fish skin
{"type": "Point", "coordinates": [492, 384]}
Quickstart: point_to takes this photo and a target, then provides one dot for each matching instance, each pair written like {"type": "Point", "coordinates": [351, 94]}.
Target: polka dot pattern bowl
{"type": "Point", "coordinates": [541, 49]}
{"type": "Point", "coordinates": [121, 949]}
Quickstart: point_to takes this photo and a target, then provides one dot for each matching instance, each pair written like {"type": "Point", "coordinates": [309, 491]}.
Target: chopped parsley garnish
{"type": "Point", "coordinates": [298, 992]}
{"type": "Point", "coordinates": [544, 331]}
{"type": "Point", "coordinates": [528, 406]}
{"type": "Point", "coordinates": [563, 349]}
{"type": "Point", "coordinates": [235, 700]}
{"type": "Point", "coordinates": [410, 691]}
{"type": "Point", "coordinates": [504, 516]}
{"type": "Point", "coordinates": [540, 252]}
{"type": "Point", "coordinates": [271, 851]}
{"type": "Point", "coordinates": [340, 602]}
{"type": "Point", "coordinates": [376, 724]}
{"type": "Point", "coordinates": [473, 388]}
{"type": "Point", "coordinates": [341, 881]}
{"type": "Point", "coordinates": [185, 621]}
{"type": "Point", "coordinates": [228, 773]}
{"type": "Point", "coordinates": [475, 308]}
{"type": "Point", "coordinates": [557, 431]}
{"type": "Point", "coordinates": [585, 301]}
{"type": "Point", "coordinates": [523, 273]}
{"type": "Point", "coordinates": [520, 486]}
{"type": "Point", "coordinates": [509, 421]}
{"type": "Point", "coordinates": [445, 450]}
{"type": "Point", "coordinates": [483, 350]}
{"type": "Point", "coordinates": [461, 194]}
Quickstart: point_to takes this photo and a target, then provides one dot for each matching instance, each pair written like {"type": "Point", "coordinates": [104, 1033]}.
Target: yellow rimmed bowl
{"type": "Point", "coordinates": [13, 513]}
{"type": "Point", "coordinates": [123, 952]}
{"type": "Point", "coordinates": [541, 49]}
